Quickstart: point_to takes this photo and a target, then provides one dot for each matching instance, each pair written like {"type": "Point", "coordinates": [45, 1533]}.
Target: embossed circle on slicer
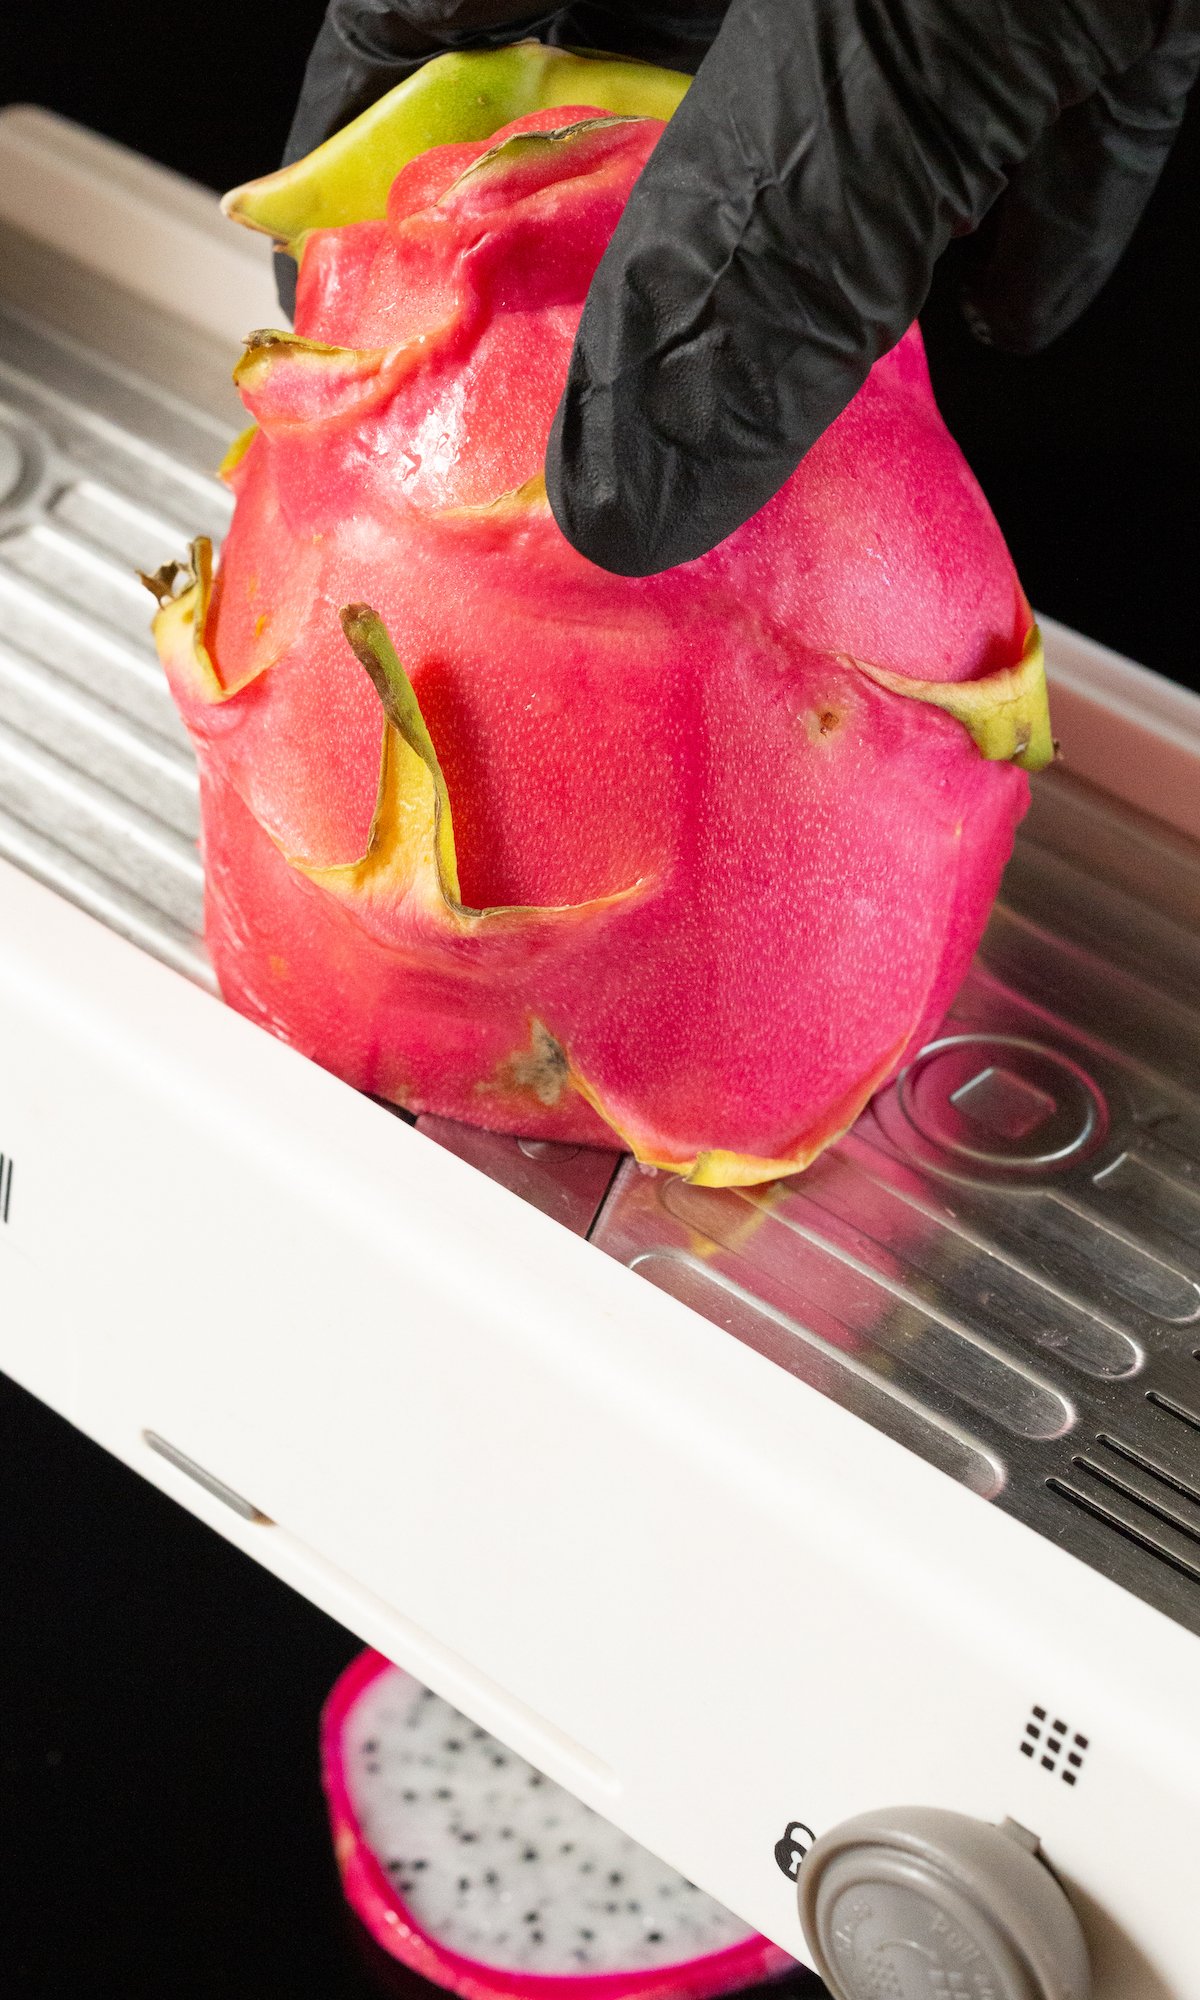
{"type": "Point", "coordinates": [548, 1149]}
{"type": "Point", "coordinates": [22, 466]}
{"type": "Point", "coordinates": [988, 1106]}
{"type": "Point", "coordinates": [12, 464]}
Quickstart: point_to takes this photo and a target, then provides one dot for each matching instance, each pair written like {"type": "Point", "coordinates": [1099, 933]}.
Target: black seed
{"type": "Point", "coordinates": [628, 1906]}
{"type": "Point", "coordinates": [536, 1778]}
{"type": "Point", "coordinates": [537, 1936]}
{"type": "Point", "coordinates": [420, 1864]}
{"type": "Point", "coordinates": [479, 1734]}
{"type": "Point", "coordinates": [616, 1877]}
{"type": "Point", "coordinates": [531, 1916]}
{"type": "Point", "coordinates": [468, 1836]}
{"type": "Point", "coordinates": [589, 1935]}
{"type": "Point", "coordinates": [587, 1867]}
{"type": "Point", "coordinates": [491, 1878]}
{"type": "Point", "coordinates": [443, 1792]}
{"type": "Point", "coordinates": [394, 1866]}
{"type": "Point", "coordinates": [408, 1797]}
{"type": "Point", "coordinates": [464, 1881]}
{"type": "Point", "coordinates": [612, 1908]}
{"type": "Point", "coordinates": [568, 1847]}
{"type": "Point", "coordinates": [372, 1767]}
{"type": "Point", "coordinates": [453, 1743]}
{"type": "Point", "coordinates": [654, 1937]}
{"type": "Point", "coordinates": [499, 1760]}
{"type": "Point", "coordinates": [506, 1833]}
{"type": "Point", "coordinates": [530, 1854]}
{"type": "Point", "coordinates": [371, 1747]}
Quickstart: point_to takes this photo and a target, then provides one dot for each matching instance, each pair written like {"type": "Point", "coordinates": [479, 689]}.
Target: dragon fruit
{"type": "Point", "coordinates": [687, 863]}
{"type": "Point", "coordinates": [484, 1875]}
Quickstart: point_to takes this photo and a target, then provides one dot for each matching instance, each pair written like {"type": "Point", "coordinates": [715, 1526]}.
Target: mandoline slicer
{"type": "Point", "coordinates": [865, 1509]}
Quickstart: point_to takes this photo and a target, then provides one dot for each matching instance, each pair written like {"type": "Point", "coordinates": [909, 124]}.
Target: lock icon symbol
{"type": "Point", "coordinates": [792, 1848]}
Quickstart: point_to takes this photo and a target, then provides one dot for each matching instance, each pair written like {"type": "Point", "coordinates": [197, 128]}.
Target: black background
{"type": "Point", "coordinates": [161, 1831]}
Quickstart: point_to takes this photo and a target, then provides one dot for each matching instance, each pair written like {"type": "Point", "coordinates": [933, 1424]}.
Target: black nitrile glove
{"type": "Point", "coordinates": [784, 232]}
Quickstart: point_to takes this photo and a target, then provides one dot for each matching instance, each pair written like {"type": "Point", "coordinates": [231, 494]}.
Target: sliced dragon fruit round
{"type": "Point", "coordinates": [482, 1874]}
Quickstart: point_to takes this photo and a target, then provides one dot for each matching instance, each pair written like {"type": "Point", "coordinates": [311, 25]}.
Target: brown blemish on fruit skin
{"type": "Point", "coordinates": [541, 1070]}
{"type": "Point", "coordinates": [821, 723]}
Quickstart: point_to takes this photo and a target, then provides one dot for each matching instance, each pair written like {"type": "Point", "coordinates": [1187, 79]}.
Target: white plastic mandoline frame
{"type": "Point", "coordinates": [703, 1596]}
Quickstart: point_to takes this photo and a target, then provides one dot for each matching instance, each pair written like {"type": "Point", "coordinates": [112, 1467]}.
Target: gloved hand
{"type": "Point", "coordinates": [784, 233]}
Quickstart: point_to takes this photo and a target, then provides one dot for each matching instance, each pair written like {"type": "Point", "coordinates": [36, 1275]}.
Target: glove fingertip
{"type": "Point", "coordinates": [585, 508]}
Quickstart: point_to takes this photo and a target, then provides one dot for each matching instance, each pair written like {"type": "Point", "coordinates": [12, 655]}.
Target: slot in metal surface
{"type": "Point", "coordinates": [208, 1480]}
{"type": "Point", "coordinates": [999, 1266]}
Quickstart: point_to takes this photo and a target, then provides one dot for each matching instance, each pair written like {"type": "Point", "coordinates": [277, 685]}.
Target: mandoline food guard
{"type": "Point", "coordinates": [740, 1513]}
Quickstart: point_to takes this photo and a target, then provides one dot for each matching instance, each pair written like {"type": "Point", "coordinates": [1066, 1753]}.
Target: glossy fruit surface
{"type": "Point", "coordinates": [688, 863]}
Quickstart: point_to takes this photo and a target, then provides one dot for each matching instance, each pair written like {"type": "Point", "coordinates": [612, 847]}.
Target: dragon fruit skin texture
{"type": "Point", "coordinates": [688, 862]}
{"type": "Point", "coordinates": [443, 1846]}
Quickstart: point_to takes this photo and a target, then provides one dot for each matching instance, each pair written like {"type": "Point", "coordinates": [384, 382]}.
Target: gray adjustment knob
{"type": "Point", "coordinates": [918, 1904]}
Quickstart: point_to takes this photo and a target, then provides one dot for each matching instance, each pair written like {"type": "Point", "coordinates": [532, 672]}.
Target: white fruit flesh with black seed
{"type": "Point", "coordinates": [500, 1864]}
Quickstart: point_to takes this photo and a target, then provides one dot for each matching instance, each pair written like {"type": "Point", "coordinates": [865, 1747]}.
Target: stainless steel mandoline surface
{"type": "Point", "coordinates": [999, 1266]}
